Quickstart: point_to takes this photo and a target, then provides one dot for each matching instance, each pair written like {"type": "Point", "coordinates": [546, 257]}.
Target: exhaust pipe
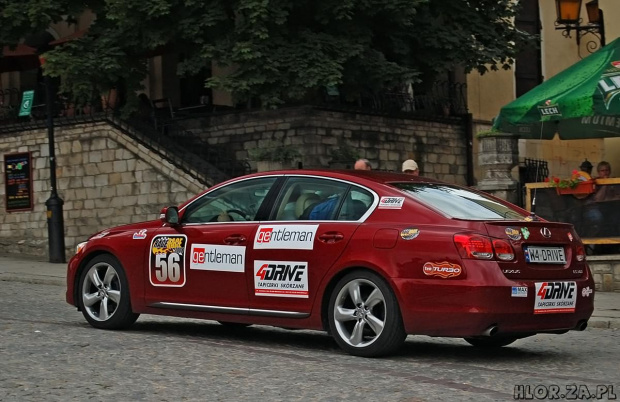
{"type": "Point", "coordinates": [491, 331]}
{"type": "Point", "coordinates": [582, 325]}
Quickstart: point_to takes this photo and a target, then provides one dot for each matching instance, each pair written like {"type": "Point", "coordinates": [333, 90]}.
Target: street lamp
{"type": "Point", "coordinates": [55, 221]}
{"type": "Point", "coordinates": [568, 19]}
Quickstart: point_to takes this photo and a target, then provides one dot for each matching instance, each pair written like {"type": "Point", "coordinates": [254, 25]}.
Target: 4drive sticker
{"type": "Point", "coordinates": [555, 297]}
{"type": "Point", "coordinates": [210, 257]}
{"type": "Point", "coordinates": [291, 237]}
{"type": "Point", "coordinates": [281, 278]}
{"type": "Point", "coordinates": [442, 269]}
{"type": "Point", "coordinates": [391, 202]}
{"type": "Point", "coordinates": [167, 260]}
{"type": "Point", "coordinates": [513, 234]}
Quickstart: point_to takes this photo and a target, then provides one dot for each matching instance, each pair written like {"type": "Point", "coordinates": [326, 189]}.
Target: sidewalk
{"type": "Point", "coordinates": [37, 270]}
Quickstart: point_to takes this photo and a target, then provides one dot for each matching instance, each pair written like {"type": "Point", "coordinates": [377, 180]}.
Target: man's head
{"type": "Point", "coordinates": [362, 164]}
{"type": "Point", "coordinates": [411, 167]}
{"type": "Point", "coordinates": [603, 169]}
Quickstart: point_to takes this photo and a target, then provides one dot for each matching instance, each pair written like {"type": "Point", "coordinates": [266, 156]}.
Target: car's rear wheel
{"type": "Point", "coordinates": [364, 317]}
{"type": "Point", "coordinates": [490, 342]}
{"type": "Point", "coordinates": [104, 294]}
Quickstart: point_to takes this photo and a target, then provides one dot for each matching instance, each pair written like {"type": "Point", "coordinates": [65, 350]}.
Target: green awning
{"type": "Point", "coordinates": [582, 101]}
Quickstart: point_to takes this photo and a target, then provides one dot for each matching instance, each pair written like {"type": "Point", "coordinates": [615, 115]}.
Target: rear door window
{"type": "Point", "coordinates": [461, 203]}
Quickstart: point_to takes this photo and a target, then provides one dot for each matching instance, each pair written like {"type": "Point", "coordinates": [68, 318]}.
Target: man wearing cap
{"type": "Point", "coordinates": [411, 167]}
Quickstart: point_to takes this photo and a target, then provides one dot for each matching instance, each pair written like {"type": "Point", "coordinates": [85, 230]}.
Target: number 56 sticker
{"type": "Point", "coordinates": [167, 260]}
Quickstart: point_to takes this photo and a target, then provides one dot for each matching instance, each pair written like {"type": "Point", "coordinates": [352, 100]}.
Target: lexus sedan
{"type": "Point", "coordinates": [368, 256]}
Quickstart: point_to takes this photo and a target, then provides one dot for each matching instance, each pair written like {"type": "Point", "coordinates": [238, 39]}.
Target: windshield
{"type": "Point", "coordinates": [458, 202]}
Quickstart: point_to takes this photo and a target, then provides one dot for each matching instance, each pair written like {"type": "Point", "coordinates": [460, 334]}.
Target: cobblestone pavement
{"type": "Point", "coordinates": [49, 352]}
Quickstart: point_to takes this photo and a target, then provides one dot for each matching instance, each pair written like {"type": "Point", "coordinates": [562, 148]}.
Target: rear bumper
{"type": "Point", "coordinates": [463, 308]}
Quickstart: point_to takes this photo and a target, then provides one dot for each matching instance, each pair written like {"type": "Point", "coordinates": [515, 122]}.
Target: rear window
{"type": "Point", "coordinates": [458, 202]}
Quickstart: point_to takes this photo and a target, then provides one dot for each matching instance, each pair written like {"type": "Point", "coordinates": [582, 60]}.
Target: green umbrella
{"type": "Point", "coordinates": [580, 102]}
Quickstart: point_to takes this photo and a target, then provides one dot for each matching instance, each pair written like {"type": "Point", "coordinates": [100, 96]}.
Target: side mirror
{"type": "Point", "coordinates": [170, 215]}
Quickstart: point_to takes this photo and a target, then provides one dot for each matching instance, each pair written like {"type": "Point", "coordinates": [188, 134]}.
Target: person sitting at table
{"type": "Point", "coordinates": [599, 213]}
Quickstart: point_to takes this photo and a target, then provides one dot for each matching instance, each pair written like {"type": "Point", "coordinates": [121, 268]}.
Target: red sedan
{"type": "Point", "coordinates": [368, 256]}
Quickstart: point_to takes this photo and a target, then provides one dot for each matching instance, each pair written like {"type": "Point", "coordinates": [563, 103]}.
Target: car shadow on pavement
{"type": "Point", "coordinates": [451, 349]}
{"type": "Point", "coordinates": [418, 347]}
{"type": "Point", "coordinates": [256, 335]}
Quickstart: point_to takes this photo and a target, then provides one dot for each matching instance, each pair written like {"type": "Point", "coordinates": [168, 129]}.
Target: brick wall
{"type": "Point", "coordinates": [439, 147]}
{"type": "Point", "coordinates": [104, 178]}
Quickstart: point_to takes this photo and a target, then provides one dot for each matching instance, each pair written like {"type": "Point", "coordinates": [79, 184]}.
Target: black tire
{"type": "Point", "coordinates": [370, 326]}
{"type": "Point", "coordinates": [490, 342]}
{"type": "Point", "coordinates": [234, 325]}
{"type": "Point", "coordinates": [103, 294]}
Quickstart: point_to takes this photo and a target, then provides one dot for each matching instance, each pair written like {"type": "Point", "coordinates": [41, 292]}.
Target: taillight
{"type": "Point", "coordinates": [474, 246]}
{"type": "Point", "coordinates": [581, 253]}
{"type": "Point", "coordinates": [481, 247]}
{"type": "Point", "coordinates": [503, 250]}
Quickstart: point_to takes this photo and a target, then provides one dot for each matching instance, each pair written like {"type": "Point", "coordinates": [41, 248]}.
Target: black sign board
{"type": "Point", "coordinates": [18, 181]}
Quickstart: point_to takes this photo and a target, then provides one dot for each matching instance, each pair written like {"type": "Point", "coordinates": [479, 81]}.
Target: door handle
{"type": "Point", "coordinates": [331, 237]}
{"type": "Point", "coordinates": [235, 239]}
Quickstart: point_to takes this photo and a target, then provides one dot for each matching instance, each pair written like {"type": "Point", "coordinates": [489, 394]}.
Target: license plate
{"type": "Point", "coordinates": [545, 255]}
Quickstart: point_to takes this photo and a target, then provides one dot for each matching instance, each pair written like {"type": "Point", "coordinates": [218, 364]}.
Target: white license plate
{"type": "Point", "coordinates": [545, 255]}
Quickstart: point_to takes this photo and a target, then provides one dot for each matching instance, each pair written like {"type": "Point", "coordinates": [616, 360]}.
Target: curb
{"type": "Point", "coordinates": [604, 323]}
{"type": "Point", "coordinates": [38, 280]}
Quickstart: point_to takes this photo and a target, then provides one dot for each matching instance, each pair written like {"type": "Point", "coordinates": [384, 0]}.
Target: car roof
{"type": "Point", "coordinates": [359, 176]}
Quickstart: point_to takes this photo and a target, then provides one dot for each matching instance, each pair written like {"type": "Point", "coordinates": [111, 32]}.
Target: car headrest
{"type": "Point", "coordinates": [304, 201]}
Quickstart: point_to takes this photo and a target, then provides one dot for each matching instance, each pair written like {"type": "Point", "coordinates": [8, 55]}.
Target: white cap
{"type": "Point", "coordinates": [409, 164]}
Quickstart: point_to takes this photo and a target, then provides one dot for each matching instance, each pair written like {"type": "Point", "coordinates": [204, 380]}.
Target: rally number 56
{"type": "Point", "coordinates": [167, 269]}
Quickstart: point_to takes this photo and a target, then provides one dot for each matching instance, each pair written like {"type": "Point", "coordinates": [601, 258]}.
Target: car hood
{"type": "Point", "coordinates": [127, 228]}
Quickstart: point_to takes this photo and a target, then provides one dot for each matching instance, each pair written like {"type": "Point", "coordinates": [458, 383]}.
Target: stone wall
{"type": "Point", "coordinates": [439, 147]}
{"type": "Point", "coordinates": [606, 272]}
{"type": "Point", "coordinates": [104, 177]}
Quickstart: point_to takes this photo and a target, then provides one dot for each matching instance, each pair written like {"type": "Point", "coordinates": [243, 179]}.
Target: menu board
{"type": "Point", "coordinates": [18, 181]}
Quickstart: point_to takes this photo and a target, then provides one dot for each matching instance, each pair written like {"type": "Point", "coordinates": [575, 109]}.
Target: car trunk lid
{"type": "Point", "coordinates": [543, 250]}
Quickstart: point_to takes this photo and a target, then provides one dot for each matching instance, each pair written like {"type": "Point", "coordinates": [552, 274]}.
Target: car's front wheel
{"type": "Point", "coordinates": [364, 316]}
{"type": "Point", "coordinates": [104, 294]}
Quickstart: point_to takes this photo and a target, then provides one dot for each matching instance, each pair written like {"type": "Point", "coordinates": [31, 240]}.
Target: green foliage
{"type": "Point", "coordinates": [277, 51]}
{"type": "Point", "coordinates": [344, 153]}
{"type": "Point", "coordinates": [275, 152]}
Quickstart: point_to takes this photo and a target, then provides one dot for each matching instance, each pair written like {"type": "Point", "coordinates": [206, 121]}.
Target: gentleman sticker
{"type": "Point", "coordinates": [167, 260]}
{"type": "Point", "coordinates": [555, 297]}
{"type": "Point", "coordinates": [210, 257]}
{"type": "Point", "coordinates": [291, 237]}
{"type": "Point", "coordinates": [281, 278]}
{"type": "Point", "coordinates": [391, 202]}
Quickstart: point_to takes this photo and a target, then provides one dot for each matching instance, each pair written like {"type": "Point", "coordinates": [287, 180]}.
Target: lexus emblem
{"type": "Point", "coordinates": [545, 232]}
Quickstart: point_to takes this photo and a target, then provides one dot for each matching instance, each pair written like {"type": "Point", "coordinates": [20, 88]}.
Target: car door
{"type": "Point", "coordinates": [292, 251]}
{"type": "Point", "coordinates": [202, 262]}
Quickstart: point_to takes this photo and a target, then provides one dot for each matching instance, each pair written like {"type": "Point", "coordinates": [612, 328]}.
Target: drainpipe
{"type": "Point", "coordinates": [469, 147]}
